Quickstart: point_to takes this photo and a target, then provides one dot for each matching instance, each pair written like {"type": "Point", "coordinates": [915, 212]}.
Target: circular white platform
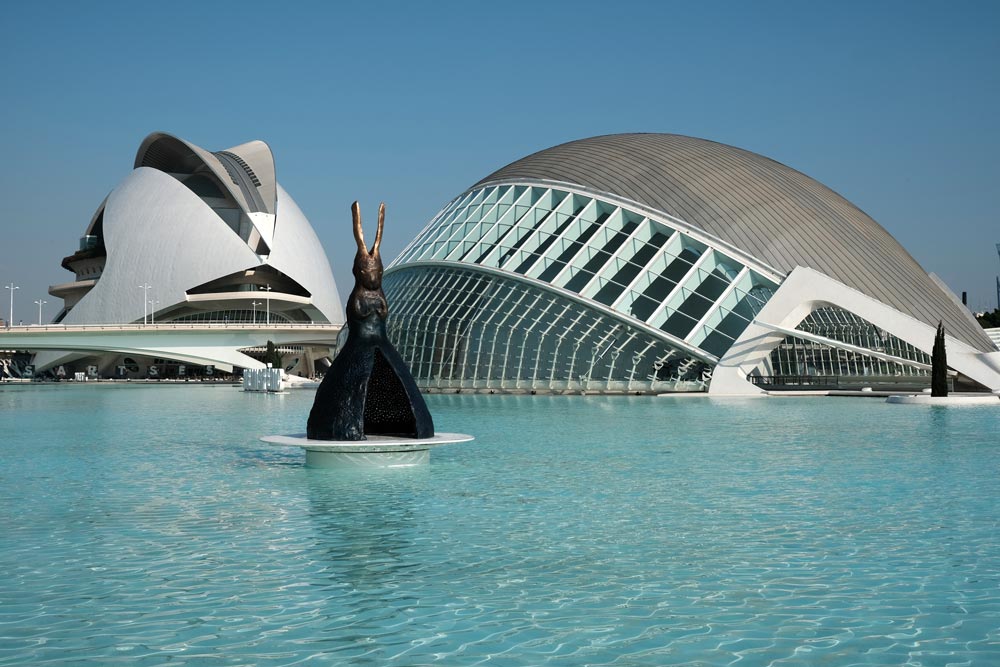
{"type": "Point", "coordinates": [927, 399]}
{"type": "Point", "coordinates": [378, 451]}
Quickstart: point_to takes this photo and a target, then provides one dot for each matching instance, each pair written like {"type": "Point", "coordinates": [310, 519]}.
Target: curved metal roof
{"type": "Point", "coordinates": [779, 215]}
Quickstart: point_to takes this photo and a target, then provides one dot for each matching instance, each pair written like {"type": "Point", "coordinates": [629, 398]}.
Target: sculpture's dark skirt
{"type": "Point", "coordinates": [368, 389]}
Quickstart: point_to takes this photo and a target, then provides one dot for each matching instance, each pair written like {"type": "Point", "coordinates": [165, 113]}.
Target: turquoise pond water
{"type": "Point", "coordinates": [146, 525]}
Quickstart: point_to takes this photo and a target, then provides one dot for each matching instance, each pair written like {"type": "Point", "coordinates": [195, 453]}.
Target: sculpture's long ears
{"type": "Point", "coordinates": [378, 234]}
{"type": "Point", "coordinates": [359, 233]}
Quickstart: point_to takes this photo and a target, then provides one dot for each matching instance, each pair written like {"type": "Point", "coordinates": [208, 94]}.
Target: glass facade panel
{"type": "Point", "coordinates": [568, 244]}
{"type": "Point", "coordinates": [461, 329]}
{"type": "Point", "coordinates": [796, 357]}
{"type": "Point", "coordinates": [512, 239]}
{"type": "Point", "coordinates": [733, 312]}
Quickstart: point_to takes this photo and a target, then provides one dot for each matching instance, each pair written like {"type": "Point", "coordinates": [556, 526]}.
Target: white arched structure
{"type": "Point", "coordinates": [806, 290]}
{"type": "Point", "coordinates": [192, 236]}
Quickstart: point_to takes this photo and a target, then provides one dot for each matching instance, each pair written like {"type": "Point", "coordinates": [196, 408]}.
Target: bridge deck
{"type": "Point", "coordinates": [196, 343]}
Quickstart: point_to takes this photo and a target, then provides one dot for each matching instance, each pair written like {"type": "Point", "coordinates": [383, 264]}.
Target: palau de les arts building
{"type": "Point", "coordinates": [630, 263]}
{"type": "Point", "coordinates": [210, 232]}
{"type": "Point", "coordinates": [659, 263]}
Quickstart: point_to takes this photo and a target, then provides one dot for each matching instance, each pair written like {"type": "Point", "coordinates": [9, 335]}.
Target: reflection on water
{"type": "Point", "coordinates": [150, 527]}
{"type": "Point", "coordinates": [365, 521]}
{"type": "Point", "coordinates": [939, 418]}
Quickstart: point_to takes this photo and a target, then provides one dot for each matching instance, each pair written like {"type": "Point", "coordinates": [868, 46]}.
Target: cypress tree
{"type": "Point", "coordinates": [272, 356]}
{"type": "Point", "coordinates": [939, 365]}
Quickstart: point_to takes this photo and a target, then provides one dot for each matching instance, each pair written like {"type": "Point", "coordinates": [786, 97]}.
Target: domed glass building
{"type": "Point", "coordinates": [657, 262]}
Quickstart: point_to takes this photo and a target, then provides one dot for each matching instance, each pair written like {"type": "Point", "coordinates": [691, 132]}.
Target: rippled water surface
{"type": "Point", "coordinates": [146, 525]}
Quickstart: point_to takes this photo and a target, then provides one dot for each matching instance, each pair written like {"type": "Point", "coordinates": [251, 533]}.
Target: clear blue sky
{"type": "Point", "coordinates": [892, 104]}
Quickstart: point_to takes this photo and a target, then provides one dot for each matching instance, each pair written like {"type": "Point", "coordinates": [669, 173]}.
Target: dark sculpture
{"type": "Point", "coordinates": [939, 365]}
{"type": "Point", "coordinates": [368, 388]}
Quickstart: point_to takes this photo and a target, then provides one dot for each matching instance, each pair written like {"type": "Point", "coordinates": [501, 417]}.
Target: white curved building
{"type": "Point", "coordinates": [214, 237]}
{"type": "Point", "coordinates": [657, 262]}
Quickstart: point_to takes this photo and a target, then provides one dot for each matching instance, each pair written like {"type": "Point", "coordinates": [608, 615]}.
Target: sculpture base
{"type": "Point", "coordinates": [960, 400]}
{"type": "Point", "coordinates": [378, 451]}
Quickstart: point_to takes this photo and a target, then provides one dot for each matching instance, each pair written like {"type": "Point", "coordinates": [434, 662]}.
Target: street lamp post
{"type": "Point", "coordinates": [11, 287]}
{"type": "Point", "coordinates": [145, 298]}
{"type": "Point", "coordinates": [255, 304]}
{"type": "Point", "coordinates": [40, 302]}
{"type": "Point", "coordinates": [152, 311]}
{"type": "Point", "coordinates": [267, 303]}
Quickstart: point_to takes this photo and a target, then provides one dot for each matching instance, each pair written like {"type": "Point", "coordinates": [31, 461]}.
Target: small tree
{"type": "Point", "coordinates": [272, 356]}
{"type": "Point", "coordinates": [939, 365]}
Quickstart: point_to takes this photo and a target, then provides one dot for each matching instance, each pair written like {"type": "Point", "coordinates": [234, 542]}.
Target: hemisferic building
{"type": "Point", "coordinates": [658, 263]}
